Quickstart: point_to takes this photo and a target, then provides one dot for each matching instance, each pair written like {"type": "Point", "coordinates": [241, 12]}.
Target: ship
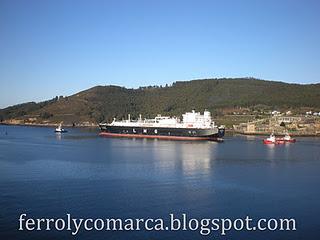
{"type": "Point", "coordinates": [59, 129]}
{"type": "Point", "coordinates": [273, 140]}
{"type": "Point", "coordinates": [193, 126]}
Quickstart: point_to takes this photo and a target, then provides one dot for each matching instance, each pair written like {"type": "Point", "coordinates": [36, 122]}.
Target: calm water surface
{"type": "Point", "coordinates": [47, 175]}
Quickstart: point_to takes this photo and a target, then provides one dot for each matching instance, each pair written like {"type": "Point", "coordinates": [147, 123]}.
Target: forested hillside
{"type": "Point", "coordinates": [102, 103]}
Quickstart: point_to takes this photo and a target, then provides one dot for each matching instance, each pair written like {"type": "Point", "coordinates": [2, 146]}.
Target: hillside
{"type": "Point", "coordinates": [102, 103]}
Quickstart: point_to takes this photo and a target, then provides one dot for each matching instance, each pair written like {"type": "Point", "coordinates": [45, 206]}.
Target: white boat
{"type": "Point", "coordinates": [59, 129]}
{"type": "Point", "coordinates": [288, 138]}
{"type": "Point", "coordinates": [270, 140]}
{"type": "Point", "coordinates": [273, 140]}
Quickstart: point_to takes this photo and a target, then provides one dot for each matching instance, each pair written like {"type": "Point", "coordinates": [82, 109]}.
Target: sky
{"type": "Point", "coordinates": [60, 47]}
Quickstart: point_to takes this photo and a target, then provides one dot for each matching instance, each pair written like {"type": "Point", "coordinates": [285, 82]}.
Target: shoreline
{"type": "Point", "coordinates": [48, 125]}
{"type": "Point", "coordinates": [279, 134]}
{"type": "Point", "coordinates": [228, 132]}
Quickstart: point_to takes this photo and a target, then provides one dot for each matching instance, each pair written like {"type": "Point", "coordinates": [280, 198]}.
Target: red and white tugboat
{"type": "Point", "coordinates": [270, 140]}
{"type": "Point", "coordinates": [287, 139]}
{"type": "Point", "coordinates": [273, 140]}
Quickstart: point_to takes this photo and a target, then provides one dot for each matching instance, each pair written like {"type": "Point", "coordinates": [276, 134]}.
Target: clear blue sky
{"type": "Point", "coordinates": [59, 47]}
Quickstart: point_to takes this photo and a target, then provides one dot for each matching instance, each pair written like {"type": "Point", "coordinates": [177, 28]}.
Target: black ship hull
{"type": "Point", "coordinates": [214, 134]}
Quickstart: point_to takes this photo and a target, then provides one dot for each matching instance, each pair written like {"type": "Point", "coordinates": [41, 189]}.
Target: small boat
{"type": "Point", "coordinates": [287, 138]}
{"type": "Point", "coordinates": [270, 140]}
{"type": "Point", "coordinates": [59, 129]}
{"type": "Point", "coordinates": [273, 140]}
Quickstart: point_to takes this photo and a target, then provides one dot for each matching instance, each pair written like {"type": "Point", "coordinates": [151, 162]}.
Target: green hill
{"type": "Point", "coordinates": [102, 103]}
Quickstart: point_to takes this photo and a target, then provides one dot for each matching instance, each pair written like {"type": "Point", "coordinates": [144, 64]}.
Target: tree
{"type": "Point", "coordinates": [46, 115]}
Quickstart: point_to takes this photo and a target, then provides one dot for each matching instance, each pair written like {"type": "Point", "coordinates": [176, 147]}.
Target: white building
{"type": "Point", "coordinates": [309, 113]}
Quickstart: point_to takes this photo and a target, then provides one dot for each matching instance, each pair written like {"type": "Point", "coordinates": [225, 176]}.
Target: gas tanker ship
{"type": "Point", "coordinates": [193, 126]}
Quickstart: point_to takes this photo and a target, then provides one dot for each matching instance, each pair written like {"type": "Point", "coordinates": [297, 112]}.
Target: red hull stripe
{"type": "Point", "coordinates": [106, 134]}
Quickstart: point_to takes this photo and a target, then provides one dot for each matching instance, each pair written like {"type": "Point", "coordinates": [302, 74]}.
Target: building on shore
{"type": "Point", "coordinates": [295, 125]}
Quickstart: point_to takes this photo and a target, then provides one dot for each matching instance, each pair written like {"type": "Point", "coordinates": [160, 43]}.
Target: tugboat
{"type": "Point", "coordinates": [273, 140]}
{"type": "Point", "coordinates": [194, 126]}
{"type": "Point", "coordinates": [270, 140]}
{"type": "Point", "coordinates": [287, 138]}
{"type": "Point", "coordinates": [59, 129]}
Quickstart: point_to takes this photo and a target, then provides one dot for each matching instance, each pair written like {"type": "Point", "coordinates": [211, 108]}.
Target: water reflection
{"type": "Point", "coordinates": [58, 136]}
{"type": "Point", "coordinates": [197, 157]}
{"type": "Point", "coordinates": [190, 157]}
{"type": "Point", "coordinates": [270, 151]}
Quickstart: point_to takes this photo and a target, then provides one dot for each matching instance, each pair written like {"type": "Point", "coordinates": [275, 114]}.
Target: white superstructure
{"type": "Point", "coordinates": [189, 120]}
